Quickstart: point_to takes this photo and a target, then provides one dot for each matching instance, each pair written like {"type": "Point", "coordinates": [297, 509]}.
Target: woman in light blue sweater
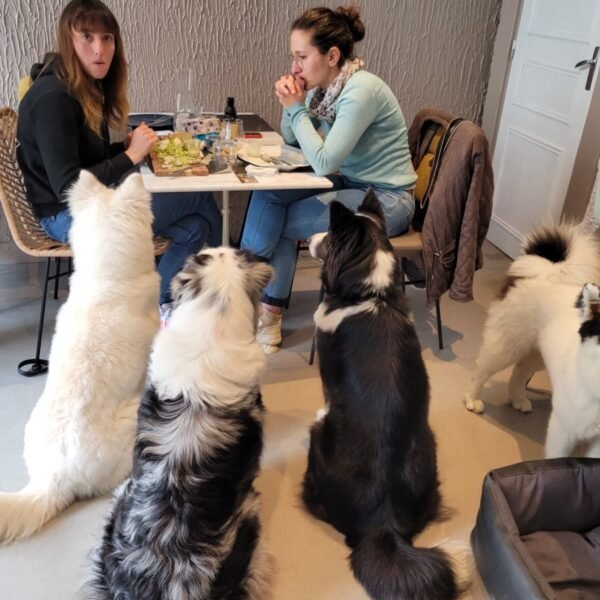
{"type": "Point", "coordinates": [351, 129]}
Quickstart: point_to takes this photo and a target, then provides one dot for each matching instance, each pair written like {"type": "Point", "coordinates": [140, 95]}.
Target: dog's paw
{"type": "Point", "coordinates": [521, 404]}
{"type": "Point", "coordinates": [476, 406]}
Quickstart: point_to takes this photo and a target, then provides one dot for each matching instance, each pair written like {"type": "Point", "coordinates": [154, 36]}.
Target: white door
{"type": "Point", "coordinates": [544, 111]}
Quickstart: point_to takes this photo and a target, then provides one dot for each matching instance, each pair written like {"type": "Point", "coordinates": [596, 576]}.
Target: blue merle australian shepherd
{"type": "Point", "coordinates": [372, 470]}
{"type": "Point", "coordinates": [186, 524]}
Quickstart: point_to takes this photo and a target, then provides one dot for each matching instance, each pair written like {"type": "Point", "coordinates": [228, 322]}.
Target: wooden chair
{"type": "Point", "coordinates": [410, 246]}
{"type": "Point", "coordinates": [26, 231]}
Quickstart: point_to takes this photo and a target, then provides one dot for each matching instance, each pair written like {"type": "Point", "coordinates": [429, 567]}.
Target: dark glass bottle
{"type": "Point", "coordinates": [230, 112]}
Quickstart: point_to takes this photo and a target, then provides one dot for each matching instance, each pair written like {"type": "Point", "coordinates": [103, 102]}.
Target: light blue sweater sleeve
{"type": "Point", "coordinates": [367, 142]}
{"type": "Point", "coordinates": [354, 113]}
{"type": "Point", "coordinates": [287, 132]}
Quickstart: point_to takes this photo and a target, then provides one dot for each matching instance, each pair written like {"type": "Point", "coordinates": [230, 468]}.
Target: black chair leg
{"type": "Point", "coordinates": [57, 277]}
{"type": "Point", "coordinates": [37, 365]}
{"type": "Point", "coordinates": [69, 272]}
{"type": "Point", "coordinates": [438, 315]}
{"type": "Point", "coordinates": [403, 273]}
{"type": "Point", "coordinates": [313, 345]}
{"type": "Point", "coordinates": [287, 301]}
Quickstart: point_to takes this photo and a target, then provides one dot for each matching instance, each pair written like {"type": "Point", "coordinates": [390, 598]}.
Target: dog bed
{"type": "Point", "coordinates": [537, 534]}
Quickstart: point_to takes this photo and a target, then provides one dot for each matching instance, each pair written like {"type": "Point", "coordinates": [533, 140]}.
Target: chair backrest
{"type": "Point", "coordinates": [23, 224]}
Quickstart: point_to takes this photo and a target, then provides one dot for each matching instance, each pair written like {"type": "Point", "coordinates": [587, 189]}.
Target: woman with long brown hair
{"type": "Point", "coordinates": [64, 119]}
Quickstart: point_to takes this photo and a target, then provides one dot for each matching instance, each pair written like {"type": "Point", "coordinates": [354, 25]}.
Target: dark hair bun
{"type": "Point", "coordinates": [352, 16]}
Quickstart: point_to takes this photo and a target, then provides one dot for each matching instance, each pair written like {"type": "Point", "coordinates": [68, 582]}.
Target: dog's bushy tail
{"type": "Point", "coordinates": [388, 566]}
{"type": "Point", "coordinates": [23, 513]}
{"type": "Point", "coordinates": [559, 253]}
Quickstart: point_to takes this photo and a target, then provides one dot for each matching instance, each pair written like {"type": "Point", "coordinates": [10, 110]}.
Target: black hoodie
{"type": "Point", "coordinates": [55, 143]}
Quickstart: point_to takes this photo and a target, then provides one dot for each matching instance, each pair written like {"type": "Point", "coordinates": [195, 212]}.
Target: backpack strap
{"type": "Point", "coordinates": [439, 155]}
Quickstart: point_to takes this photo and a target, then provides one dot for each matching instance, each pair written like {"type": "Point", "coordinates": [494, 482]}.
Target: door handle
{"type": "Point", "coordinates": [591, 64]}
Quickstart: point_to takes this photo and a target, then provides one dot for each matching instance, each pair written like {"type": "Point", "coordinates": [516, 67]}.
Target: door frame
{"type": "Point", "coordinates": [588, 153]}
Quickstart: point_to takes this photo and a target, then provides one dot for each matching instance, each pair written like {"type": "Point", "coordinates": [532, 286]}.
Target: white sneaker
{"type": "Point", "coordinates": [268, 333]}
{"type": "Point", "coordinates": [165, 313]}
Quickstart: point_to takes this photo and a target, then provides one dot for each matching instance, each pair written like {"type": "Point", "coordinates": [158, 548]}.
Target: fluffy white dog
{"type": "Point", "coordinates": [80, 436]}
{"type": "Point", "coordinates": [549, 315]}
{"type": "Point", "coordinates": [186, 523]}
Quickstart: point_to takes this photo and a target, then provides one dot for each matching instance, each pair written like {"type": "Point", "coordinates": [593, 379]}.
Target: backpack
{"type": "Point", "coordinates": [23, 87]}
{"type": "Point", "coordinates": [434, 142]}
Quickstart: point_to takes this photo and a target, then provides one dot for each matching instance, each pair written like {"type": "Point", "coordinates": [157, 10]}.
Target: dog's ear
{"type": "Point", "coordinates": [589, 307]}
{"type": "Point", "coordinates": [371, 204]}
{"type": "Point", "coordinates": [133, 189]}
{"type": "Point", "coordinates": [187, 283]}
{"type": "Point", "coordinates": [259, 274]}
{"type": "Point", "coordinates": [588, 302]}
{"type": "Point", "coordinates": [178, 283]}
{"type": "Point", "coordinates": [85, 189]}
{"type": "Point", "coordinates": [318, 245]}
{"type": "Point", "coordinates": [339, 215]}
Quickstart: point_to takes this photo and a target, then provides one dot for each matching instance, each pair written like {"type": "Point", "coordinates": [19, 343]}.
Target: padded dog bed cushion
{"type": "Point", "coordinates": [569, 561]}
{"type": "Point", "coordinates": [533, 515]}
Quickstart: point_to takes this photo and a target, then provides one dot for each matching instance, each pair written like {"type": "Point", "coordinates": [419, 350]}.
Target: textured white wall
{"type": "Point", "coordinates": [432, 53]}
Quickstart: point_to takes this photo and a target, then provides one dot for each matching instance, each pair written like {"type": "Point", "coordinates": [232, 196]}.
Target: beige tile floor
{"type": "Point", "coordinates": [310, 556]}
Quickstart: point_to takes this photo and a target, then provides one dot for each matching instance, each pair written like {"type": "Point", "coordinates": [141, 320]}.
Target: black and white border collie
{"type": "Point", "coordinates": [549, 315]}
{"type": "Point", "coordinates": [186, 524]}
{"type": "Point", "coordinates": [372, 470]}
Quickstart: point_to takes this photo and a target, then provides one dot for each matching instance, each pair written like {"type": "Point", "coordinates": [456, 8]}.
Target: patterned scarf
{"type": "Point", "coordinates": [323, 103]}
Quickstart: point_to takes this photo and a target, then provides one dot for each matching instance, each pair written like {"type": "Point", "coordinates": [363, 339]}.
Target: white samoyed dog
{"type": "Point", "coordinates": [80, 436]}
{"type": "Point", "coordinates": [549, 314]}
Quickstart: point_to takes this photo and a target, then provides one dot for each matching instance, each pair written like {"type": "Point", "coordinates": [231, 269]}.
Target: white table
{"type": "Point", "coordinates": [229, 182]}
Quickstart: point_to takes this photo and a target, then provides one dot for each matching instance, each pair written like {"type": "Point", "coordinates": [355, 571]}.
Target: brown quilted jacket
{"type": "Point", "coordinates": [460, 207]}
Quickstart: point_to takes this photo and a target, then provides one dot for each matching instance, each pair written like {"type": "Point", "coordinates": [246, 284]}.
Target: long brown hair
{"type": "Point", "coordinates": [328, 28]}
{"type": "Point", "coordinates": [108, 101]}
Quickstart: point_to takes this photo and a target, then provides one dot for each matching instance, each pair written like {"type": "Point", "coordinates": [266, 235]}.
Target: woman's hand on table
{"type": "Point", "coordinates": [141, 142]}
{"type": "Point", "coordinates": [290, 90]}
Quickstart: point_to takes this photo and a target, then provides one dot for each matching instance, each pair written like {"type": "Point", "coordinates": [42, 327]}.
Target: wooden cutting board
{"type": "Point", "coordinates": [161, 171]}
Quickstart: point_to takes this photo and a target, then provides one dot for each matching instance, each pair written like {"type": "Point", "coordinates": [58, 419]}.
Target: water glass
{"type": "Point", "coordinates": [224, 153]}
{"type": "Point", "coordinates": [186, 107]}
{"type": "Point", "coordinates": [233, 129]}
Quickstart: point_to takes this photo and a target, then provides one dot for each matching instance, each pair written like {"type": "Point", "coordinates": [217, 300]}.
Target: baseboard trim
{"type": "Point", "coordinates": [505, 237]}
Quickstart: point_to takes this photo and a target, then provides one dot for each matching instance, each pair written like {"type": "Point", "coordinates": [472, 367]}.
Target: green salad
{"type": "Point", "coordinates": [173, 152]}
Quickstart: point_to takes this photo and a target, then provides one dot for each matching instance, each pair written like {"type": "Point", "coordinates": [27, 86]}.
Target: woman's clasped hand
{"type": "Point", "coordinates": [290, 90]}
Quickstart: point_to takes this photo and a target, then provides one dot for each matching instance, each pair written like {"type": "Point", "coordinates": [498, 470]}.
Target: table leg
{"type": "Point", "coordinates": [225, 214]}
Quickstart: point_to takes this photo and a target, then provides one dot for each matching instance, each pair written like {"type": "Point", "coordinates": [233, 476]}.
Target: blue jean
{"type": "Point", "coordinates": [277, 219]}
{"type": "Point", "coordinates": [188, 219]}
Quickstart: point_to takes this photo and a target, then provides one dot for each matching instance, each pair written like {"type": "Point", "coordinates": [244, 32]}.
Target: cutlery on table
{"type": "Point", "coordinates": [276, 161]}
{"type": "Point", "coordinates": [177, 171]}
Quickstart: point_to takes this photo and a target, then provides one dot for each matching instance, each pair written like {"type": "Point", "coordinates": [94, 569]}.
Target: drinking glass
{"type": "Point", "coordinates": [224, 153]}
{"type": "Point", "coordinates": [186, 106]}
{"type": "Point", "coordinates": [233, 129]}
